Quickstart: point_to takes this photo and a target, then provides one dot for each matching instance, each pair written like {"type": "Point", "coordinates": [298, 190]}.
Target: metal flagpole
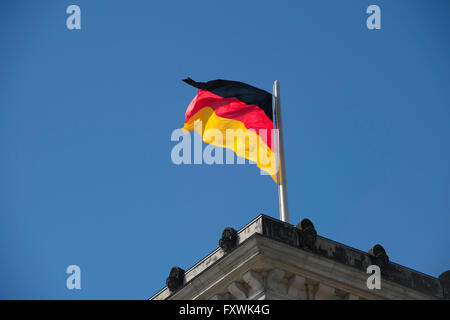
{"type": "Point", "coordinates": [282, 182]}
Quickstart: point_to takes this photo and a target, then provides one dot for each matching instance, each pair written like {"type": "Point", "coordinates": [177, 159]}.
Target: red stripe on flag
{"type": "Point", "coordinates": [252, 116]}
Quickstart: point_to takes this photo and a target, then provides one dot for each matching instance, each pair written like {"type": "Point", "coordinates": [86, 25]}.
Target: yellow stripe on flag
{"type": "Point", "coordinates": [244, 142]}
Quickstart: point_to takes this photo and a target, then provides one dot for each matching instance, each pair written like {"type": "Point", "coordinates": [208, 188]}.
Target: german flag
{"type": "Point", "coordinates": [240, 113]}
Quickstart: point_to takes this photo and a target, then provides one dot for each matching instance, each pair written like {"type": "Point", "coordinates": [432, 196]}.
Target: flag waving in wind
{"type": "Point", "coordinates": [237, 116]}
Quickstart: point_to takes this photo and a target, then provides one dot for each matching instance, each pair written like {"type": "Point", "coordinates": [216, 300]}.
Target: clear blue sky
{"type": "Point", "coordinates": [86, 116]}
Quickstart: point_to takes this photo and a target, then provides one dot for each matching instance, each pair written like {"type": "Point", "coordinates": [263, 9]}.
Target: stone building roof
{"type": "Point", "coordinates": [244, 262]}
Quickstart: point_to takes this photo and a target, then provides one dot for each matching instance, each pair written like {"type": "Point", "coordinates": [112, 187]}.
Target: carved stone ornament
{"type": "Point", "coordinates": [378, 256]}
{"type": "Point", "coordinates": [307, 234]}
{"type": "Point", "coordinates": [444, 279]}
{"type": "Point", "coordinates": [175, 279]}
{"type": "Point", "coordinates": [228, 240]}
